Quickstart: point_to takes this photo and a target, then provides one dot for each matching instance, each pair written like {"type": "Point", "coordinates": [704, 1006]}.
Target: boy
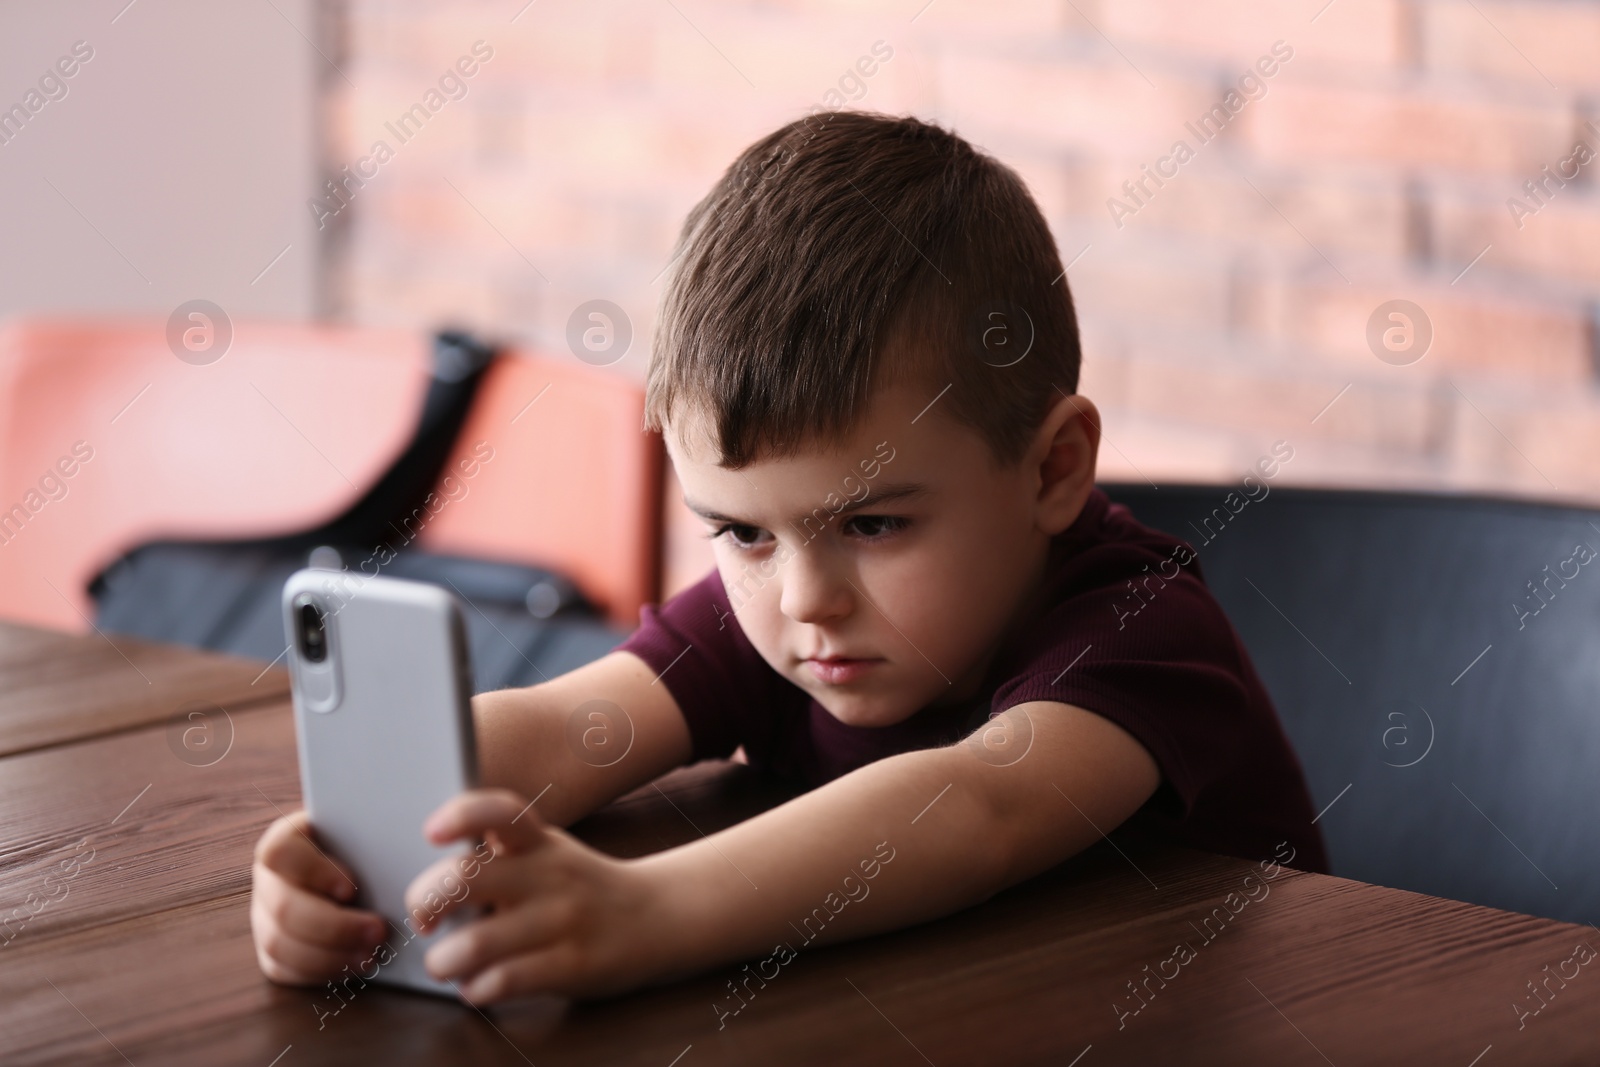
{"type": "Point", "coordinates": [865, 371]}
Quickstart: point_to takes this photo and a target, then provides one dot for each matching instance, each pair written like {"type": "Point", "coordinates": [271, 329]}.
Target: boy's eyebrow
{"type": "Point", "coordinates": [881, 495]}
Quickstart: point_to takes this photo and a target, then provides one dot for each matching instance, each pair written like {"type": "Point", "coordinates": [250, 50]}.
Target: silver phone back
{"type": "Point", "coordinates": [384, 726]}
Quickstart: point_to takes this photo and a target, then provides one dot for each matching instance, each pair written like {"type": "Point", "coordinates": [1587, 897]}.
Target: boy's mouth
{"type": "Point", "coordinates": [840, 670]}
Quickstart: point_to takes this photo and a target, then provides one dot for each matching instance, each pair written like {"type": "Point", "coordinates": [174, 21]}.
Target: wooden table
{"type": "Point", "coordinates": [142, 954]}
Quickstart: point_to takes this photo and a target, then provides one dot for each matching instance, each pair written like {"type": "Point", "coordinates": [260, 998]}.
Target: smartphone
{"type": "Point", "coordinates": [380, 679]}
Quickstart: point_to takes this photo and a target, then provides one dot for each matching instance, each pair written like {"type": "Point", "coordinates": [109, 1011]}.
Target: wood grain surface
{"type": "Point", "coordinates": [145, 957]}
{"type": "Point", "coordinates": [57, 687]}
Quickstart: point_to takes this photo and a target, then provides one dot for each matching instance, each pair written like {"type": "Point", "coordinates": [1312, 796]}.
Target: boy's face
{"type": "Point", "coordinates": [905, 551]}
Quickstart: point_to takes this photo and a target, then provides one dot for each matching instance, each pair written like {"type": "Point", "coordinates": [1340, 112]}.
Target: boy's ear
{"type": "Point", "coordinates": [1065, 452]}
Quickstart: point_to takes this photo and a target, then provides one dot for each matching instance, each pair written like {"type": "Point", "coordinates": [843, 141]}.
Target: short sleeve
{"type": "Point", "coordinates": [698, 651]}
{"type": "Point", "coordinates": [1170, 675]}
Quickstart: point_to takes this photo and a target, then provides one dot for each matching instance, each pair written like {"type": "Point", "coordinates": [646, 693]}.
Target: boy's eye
{"type": "Point", "coordinates": [877, 527]}
{"type": "Point", "coordinates": [741, 534]}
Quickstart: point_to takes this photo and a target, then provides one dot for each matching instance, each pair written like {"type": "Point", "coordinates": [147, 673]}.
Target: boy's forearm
{"type": "Point", "coordinates": [522, 746]}
{"type": "Point", "coordinates": [900, 841]}
{"type": "Point", "coordinates": [578, 741]}
{"type": "Point", "coordinates": [939, 829]}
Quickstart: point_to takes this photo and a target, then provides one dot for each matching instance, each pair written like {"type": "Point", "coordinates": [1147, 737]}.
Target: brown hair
{"type": "Point", "coordinates": [848, 249]}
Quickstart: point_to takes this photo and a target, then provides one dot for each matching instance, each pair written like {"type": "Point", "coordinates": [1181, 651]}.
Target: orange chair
{"type": "Point", "coordinates": [286, 431]}
{"type": "Point", "coordinates": [282, 432]}
{"type": "Point", "coordinates": [574, 484]}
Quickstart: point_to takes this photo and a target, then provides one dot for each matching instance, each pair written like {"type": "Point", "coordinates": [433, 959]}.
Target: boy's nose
{"type": "Point", "coordinates": [815, 589]}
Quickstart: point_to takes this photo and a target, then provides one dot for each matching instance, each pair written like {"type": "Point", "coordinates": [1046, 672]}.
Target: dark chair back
{"type": "Point", "coordinates": [1436, 662]}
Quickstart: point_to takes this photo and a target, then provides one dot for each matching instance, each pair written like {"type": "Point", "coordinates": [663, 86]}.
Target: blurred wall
{"type": "Point", "coordinates": [1337, 156]}
{"type": "Point", "coordinates": [172, 163]}
{"type": "Point", "coordinates": [1243, 190]}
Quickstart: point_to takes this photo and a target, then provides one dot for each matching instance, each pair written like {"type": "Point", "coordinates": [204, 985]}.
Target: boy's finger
{"type": "Point", "coordinates": [532, 972]}
{"type": "Point", "coordinates": [463, 953]}
{"type": "Point", "coordinates": [476, 812]}
{"type": "Point", "coordinates": [287, 849]}
{"type": "Point", "coordinates": [439, 890]}
{"type": "Point", "coordinates": [316, 920]}
{"type": "Point", "coordinates": [296, 961]}
{"type": "Point", "coordinates": [445, 886]}
{"type": "Point", "coordinates": [454, 882]}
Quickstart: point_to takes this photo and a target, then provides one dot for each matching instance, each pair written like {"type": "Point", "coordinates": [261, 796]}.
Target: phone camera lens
{"type": "Point", "coordinates": [313, 633]}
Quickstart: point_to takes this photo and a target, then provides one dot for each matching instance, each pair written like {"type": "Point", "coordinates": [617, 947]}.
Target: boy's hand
{"type": "Point", "coordinates": [564, 919]}
{"type": "Point", "coordinates": [302, 936]}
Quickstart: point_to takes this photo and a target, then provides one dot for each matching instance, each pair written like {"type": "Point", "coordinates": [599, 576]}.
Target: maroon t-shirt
{"type": "Point", "coordinates": [1123, 626]}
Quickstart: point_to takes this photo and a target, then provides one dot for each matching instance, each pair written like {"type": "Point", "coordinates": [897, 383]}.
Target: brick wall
{"type": "Point", "coordinates": [1224, 306]}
